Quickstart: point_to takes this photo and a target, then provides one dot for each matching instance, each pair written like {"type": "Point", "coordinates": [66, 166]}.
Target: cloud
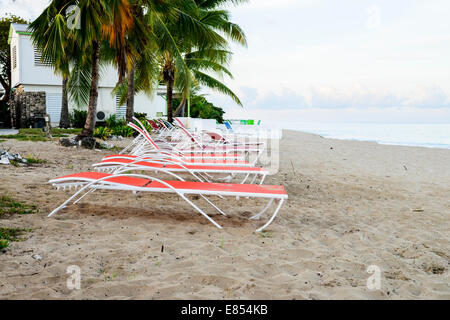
{"type": "Point", "coordinates": [27, 9]}
{"type": "Point", "coordinates": [428, 97]}
{"type": "Point", "coordinates": [278, 4]}
{"type": "Point", "coordinates": [286, 99]}
{"type": "Point", "coordinates": [328, 97]}
{"type": "Point", "coordinates": [359, 97]}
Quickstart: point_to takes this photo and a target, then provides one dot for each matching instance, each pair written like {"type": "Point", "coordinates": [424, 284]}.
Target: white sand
{"type": "Point", "coordinates": [352, 206]}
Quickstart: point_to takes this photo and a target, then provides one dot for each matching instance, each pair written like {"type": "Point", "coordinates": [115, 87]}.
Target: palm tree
{"type": "Point", "coordinates": [52, 35]}
{"type": "Point", "coordinates": [59, 59]}
{"type": "Point", "coordinates": [201, 37]}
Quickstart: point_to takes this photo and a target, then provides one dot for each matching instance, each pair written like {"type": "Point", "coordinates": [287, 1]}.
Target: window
{"type": "Point", "coordinates": [38, 57]}
{"type": "Point", "coordinates": [14, 57]}
{"type": "Point", "coordinates": [121, 111]}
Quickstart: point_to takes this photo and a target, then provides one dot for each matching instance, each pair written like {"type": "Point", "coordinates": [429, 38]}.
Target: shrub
{"type": "Point", "coordinates": [78, 118]}
{"type": "Point", "coordinates": [32, 160]}
{"type": "Point", "coordinates": [102, 133]}
{"type": "Point", "coordinates": [123, 131]}
{"type": "Point", "coordinates": [112, 121]}
{"type": "Point", "coordinates": [140, 115]}
{"type": "Point", "coordinates": [4, 244]}
{"type": "Point", "coordinates": [202, 108]}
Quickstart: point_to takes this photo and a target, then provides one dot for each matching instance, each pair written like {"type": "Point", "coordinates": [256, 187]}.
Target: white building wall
{"type": "Point", "coordinates": [152, 106]}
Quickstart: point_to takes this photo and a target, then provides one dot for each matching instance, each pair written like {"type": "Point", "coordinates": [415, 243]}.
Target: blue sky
{"type": "Point", "coordinates": [349, 60]}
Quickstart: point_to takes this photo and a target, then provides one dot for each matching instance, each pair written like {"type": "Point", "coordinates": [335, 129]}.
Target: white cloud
{"type": "Point", "coordinates": [27, 9]}
{"type": "Point", "coordinates": [277, 4]}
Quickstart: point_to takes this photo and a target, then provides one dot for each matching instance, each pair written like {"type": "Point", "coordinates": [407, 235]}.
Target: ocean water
{"type": "Point", "coordinates": [432, 135]}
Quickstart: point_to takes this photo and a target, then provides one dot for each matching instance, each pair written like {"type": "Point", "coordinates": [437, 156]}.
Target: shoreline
{"type": "Point", "coordinates": [371, 141]}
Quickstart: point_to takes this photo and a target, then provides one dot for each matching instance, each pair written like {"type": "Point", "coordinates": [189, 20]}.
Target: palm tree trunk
{"type": "Point", "coordinates": [89, 126]}
{"type": "Point", "coordinates": [7, 89]}
{"type": "Point", "coordinates": [179, 110]}
{"type": "Point", "coordinates": [170, 99]}
{"type": "Point", "coordinates": [130, 95]}
{"type": "Point", "coordinates": [64, 121]}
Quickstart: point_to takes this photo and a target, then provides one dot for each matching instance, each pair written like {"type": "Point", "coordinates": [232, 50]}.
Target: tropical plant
{"type": "Point", "coordinates": [53, 36]}
{"type": "Point", "coordinates": [204, 109]}
{"type": "Point", "coordinates": [112, 121]}
{"type": "Point", "coordinates": [102, 133]}
{"type": "Point", "coordinates": [205, 50]}
{"type": "Point", "coordinates": [78, 118]}
{"type": "Point", "coordinates": [123, 131]}
{"type": "Point", "coordinates": [186, 38]}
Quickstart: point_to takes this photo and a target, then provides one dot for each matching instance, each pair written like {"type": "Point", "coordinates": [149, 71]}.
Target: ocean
{"type": "Point", "coordinates": [431, 135]}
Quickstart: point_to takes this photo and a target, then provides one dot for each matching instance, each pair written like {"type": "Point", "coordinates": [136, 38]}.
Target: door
{"type": "Point", "coordinates": [53, 103]}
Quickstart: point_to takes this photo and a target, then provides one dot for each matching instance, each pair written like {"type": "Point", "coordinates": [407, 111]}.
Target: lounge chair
{"type": "Point", "coordinates": [91, 181]}
{"type": "Point", "coordinates": [195, 145]}
{"type": "Point", "coordinates": [205, 171]}
{"type": "Point", "coordinates": [144, 144]}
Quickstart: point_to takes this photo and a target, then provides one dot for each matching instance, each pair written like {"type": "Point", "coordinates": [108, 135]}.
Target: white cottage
{"type": "Point", "coordinates": [31, 75]}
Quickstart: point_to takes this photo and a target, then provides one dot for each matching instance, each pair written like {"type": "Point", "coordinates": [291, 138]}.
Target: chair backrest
{"type": "Point", "coordinates": [171, 125]}
{"type": "Point", "coordinates": [153, 124]}
{"type": "Point", "coordinates": [193, 139]}
{"type": "Point", "coordinates": [143, 131]}
{"type": "Point", "coordinates": [228, 125]}
{"type": "Point", "coordinates": [180, 123]}
{"type": "Point", "coordinates": [215, 136]}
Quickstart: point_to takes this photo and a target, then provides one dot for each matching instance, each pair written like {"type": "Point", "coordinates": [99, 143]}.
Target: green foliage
{"type": "Point", "coordinates": [5, 116]}
{"type": "Point", "coordinates": [102, 133]}
{"type": "Point", "coordinates": [112, 122]}
{"type": "Point", "coordinates": [24, 137]}
{"type": "Point", "coordinates": [33, 160]}
{"type": "Point", "coordinates": [10, 234]}
{"type": "Point", "coordinates": [4, 244]}
{"type": "Point", "coordinates": [60, 131]}
{"type": "Point", "coordinates": [140, 115]}
{"type": "Point", "coordinates": [11, 206]}
{"type": "Point", "coordinates": [78, 118]}
{"type": "Point", "coordinates": [35, 131]}
{"type": "Point", "coordinates": [123, 131]}
{"type": "Point", "coordinates": [202, 108]}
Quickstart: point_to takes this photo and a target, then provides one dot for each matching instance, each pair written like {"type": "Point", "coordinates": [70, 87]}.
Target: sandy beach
{"type": "Point", "coordinates": [351, 205]}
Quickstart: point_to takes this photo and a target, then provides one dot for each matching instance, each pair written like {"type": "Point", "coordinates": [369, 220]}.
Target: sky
{"type": "Point", "coordinates": [337, 61]}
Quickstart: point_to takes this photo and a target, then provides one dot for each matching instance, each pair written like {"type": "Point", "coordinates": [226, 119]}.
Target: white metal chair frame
{"type": "Point", "coordinates": [89, 185]}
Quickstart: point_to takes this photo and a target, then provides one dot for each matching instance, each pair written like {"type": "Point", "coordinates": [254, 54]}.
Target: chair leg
{"type": "Point", "coordinates": [200, 210]}
{"type": "Point", "coordinates": [256, 216]}
{"type": "Point", "coordinates": [63, 205]}
{"type": "Point", "coordinates": [213, 205]}
{"type": "Point", "coordinates": [273, 216]}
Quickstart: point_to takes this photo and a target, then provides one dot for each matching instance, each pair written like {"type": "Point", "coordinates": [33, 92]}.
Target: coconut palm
{"type": "Point", "coordinates": [59, 59]}
{"type": "Point", "coordinates": [52, 35]}
{"type": "Point", "coordinates": [203, 38]}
